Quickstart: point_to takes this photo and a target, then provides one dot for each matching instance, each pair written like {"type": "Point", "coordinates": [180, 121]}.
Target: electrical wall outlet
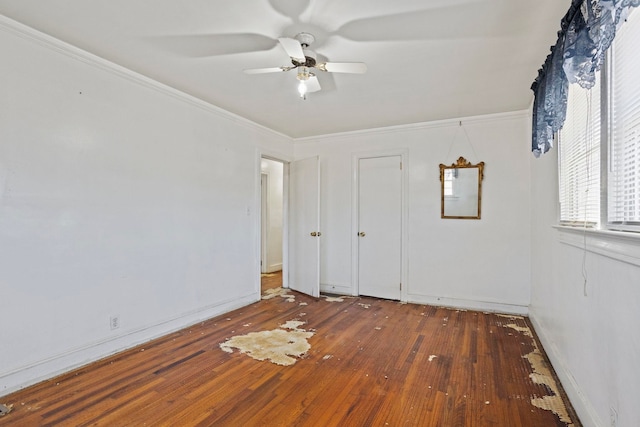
{"type": "Point", "coordinates": [114, 322]}
{"type": "Point", "coordinates": [613, 415]}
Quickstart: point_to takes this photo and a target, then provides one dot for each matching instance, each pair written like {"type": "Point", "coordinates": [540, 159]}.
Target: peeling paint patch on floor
{"type": "Point", "coordinates": [364, 305]}
{"type": "Point", "coordinates": [279, 292]}
{"type": "Point", "coordinates": [542, 375]}
{"type": "Point", "coordinates": [5, 409]}
{"type": "Point", "coordinates": [332, 299]}
{"type": "Point", "coordinates": [292, 324]}
{"type": "Point", "coordinates": [280, 346]}
{"type": "Point", "coordinates": [509, 316]}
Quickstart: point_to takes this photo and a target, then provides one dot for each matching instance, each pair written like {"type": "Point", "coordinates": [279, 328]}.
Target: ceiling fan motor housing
{"type": "Point", "coordinates": [310, 59]}
{"type": "Point", "coordinates": [305, 40]}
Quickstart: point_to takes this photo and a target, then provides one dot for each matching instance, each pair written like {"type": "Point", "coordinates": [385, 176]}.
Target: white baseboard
{"type": "Point", "coordinates": [336, 288]}
{"type": "Point", "coordinates": [274, 267]}
{"type": "Point", "coordinates": [59, 364]}
{"type": "Point", "coordinates": [496, 307]}
{"type": "Point", "coordinates": [586, 412]}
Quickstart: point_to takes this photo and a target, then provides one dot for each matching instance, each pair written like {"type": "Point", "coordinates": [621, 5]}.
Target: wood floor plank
{"type": "Point", "coordinates": [371, 363]}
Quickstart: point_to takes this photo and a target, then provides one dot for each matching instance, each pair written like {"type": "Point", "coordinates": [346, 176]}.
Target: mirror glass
{"type": "Point", "coordinates": [461, 189]}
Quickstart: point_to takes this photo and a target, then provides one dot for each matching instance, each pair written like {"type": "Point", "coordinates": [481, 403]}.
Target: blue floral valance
{"type": "Point", "coordinates": [587, 31]}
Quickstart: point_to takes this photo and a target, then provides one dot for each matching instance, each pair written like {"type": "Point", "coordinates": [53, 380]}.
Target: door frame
{"type": "Point", "coordinates": [264, 219]}
{"type": "Point", "coordinates": [285, 160]}
{"type": "Point", "coordinates": [355, 214]}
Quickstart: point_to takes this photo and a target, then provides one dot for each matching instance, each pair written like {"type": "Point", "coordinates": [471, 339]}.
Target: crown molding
{"type": "Point", "coordinates": [486, 118]}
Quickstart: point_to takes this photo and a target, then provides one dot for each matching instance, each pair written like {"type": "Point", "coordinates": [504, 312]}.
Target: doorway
{"type": "Point", "coordinates": [272, 221]}
{"type": "Point", "coordinates": [379, 226]}
{"type": "Point", "coordinates": [289, 223]}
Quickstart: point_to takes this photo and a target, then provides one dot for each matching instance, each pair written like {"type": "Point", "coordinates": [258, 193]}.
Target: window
{"type": "Point", "coordinates": [600, 142]}
{"type": "Point", "coordinates": [623, 193]}
{"type": "Point", "coordinates": [579, 158]}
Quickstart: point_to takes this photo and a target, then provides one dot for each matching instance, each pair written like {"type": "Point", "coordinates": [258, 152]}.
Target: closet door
{"type": "Point", "coordinates": [380, 227]}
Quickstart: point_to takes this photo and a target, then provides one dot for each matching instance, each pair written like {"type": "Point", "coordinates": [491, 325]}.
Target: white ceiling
{"type": "Point", "coordinates": [427, 59]}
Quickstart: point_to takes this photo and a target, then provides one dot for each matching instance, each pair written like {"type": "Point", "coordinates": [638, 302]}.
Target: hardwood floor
{"type": "Point", "coordinates": [371, 363]}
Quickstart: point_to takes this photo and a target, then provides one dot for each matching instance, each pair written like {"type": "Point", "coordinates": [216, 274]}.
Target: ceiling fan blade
{"type": "Point", "coordinates": [293, 48]}
{"type": "Point", "coordinates": [434, 23]}
{"type": "Point", "coordinates": [313, 85]}
{"type": "Point", "coordinates": [343, 67]}
{"type": "Point", "coordinates": [267, 70]}
{"type": "Point", "coordinates": [288, 8]}
{"type": "Point", "coordinates": [203, 45]}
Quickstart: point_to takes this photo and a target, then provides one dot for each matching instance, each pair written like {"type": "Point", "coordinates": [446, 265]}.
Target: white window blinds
{"type": "Point", "coordinates": [579, 158]}
{"type": "Point", "coordinates": [624, 151]}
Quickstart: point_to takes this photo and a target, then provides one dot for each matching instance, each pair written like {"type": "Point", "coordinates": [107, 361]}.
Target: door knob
{"type": "Point", "coordinates": [361, 234]}
{"type": "Point", "coordinates": [314, 234]}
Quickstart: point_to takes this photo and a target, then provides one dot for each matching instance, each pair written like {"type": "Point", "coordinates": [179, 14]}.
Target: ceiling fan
{"type": "Point", "coordinates": [303, 60]}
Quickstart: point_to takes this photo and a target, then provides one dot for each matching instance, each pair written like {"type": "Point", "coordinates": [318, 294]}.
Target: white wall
{"type": "Point", "coordinates": [275, 214]}
{"type": "Point", "coordinates": [593, 339]}
{"type": "Point", "coordinates": [118, 196]}
{"type": "Point", "coordinates": [466, 263]}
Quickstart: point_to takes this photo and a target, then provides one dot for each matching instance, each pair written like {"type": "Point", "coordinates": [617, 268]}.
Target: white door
{"type": "Point", "coordinates": [304, 226]}
{"type": "Point", "coordinates": [380, 227]}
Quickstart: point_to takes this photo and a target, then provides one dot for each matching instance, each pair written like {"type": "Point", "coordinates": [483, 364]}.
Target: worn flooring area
{"type": "Point", "coordinates": [292, 360]}
{"type": "Point", "coordinates": [270, 280]}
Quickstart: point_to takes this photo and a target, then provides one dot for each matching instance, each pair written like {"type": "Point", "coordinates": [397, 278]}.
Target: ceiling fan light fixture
{"type": "Point", "coordinates": [303, 75]}
{"type": "Point", "coordinates": [302, 89]}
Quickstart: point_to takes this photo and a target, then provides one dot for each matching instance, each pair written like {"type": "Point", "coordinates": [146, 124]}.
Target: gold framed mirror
{"type": "Point", "coordinates": [461, 190]}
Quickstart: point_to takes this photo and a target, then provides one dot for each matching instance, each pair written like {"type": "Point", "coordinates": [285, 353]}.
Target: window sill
{"type": "Point", "coordinates": [619, 245]}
